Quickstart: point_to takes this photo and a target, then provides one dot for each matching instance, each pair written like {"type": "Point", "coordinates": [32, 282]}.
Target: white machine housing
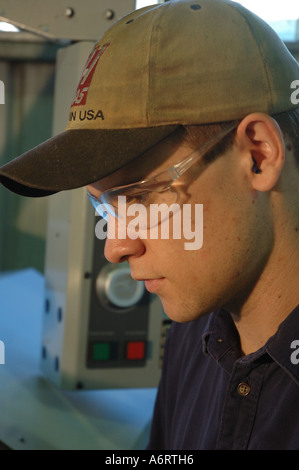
{"type": "Point", "coordinates": [100, 330]}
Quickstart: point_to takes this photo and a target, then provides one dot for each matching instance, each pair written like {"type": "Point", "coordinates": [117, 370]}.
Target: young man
{"type": "Point", "coordinates": [191, 102]}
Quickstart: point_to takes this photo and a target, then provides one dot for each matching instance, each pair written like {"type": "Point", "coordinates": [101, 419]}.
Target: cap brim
{"type": "Point", "coordinates": [77, 158]}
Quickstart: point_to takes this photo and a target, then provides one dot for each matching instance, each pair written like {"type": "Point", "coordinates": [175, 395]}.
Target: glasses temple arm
{"type": "Point", "coordinates": [177, 170]}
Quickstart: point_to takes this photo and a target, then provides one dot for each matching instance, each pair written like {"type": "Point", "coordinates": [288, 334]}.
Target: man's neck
{"type": "Point", "coordinates": [273, 298]}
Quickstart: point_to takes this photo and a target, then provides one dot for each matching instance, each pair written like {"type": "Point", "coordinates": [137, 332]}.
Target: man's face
{"type": "Point", "coordinates": [236, 234]}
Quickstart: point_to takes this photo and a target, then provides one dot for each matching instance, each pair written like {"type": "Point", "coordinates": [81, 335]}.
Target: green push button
{"type": "Point", "coordinates": [101, 351]}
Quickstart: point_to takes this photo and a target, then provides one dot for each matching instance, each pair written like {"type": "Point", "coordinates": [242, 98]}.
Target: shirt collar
{"type": "Point", "coordinates": [221, 342]}
{"type": "Point", "coordinates": [221, 339]}
{"type": "Point", "coordinates": [282, 347]}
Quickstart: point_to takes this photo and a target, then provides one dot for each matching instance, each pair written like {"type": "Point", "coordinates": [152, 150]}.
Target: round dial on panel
{"type": "Point", "coordinates": [116, 285]}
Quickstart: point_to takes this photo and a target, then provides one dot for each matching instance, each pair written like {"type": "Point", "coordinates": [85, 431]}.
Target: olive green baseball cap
{"type": "Point", "coordinates": [179, 63]}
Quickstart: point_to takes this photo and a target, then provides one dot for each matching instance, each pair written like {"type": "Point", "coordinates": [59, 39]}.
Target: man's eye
{"type": "Point", "coordinates": [138, 198]}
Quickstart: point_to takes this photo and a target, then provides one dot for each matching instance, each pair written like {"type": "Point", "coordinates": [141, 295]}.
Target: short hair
{"type": "Point", "coordinates": [197, 135]}
{"type": "Point", "coordinates": [288, 122]}
{"type": "Point", "coordinates": [289, 125]}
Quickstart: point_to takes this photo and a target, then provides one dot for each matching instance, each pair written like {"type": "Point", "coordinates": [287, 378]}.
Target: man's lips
{"type": "Point", "coordinates": [153, 285]}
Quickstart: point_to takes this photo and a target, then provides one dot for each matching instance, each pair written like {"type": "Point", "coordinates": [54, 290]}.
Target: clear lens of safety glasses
{"type": "Point", "coordinates": [138, 201]}
{"type": "Point", "coordinates": [100, 208]}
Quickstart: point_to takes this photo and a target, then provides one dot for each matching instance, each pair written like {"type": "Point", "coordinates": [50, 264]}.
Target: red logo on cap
{"type": "Point", "coordinates": [84, 84]}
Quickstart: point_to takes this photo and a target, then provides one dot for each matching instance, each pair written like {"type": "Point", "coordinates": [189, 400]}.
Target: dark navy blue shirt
{"type": "Point", "coordinates": [213, 397]}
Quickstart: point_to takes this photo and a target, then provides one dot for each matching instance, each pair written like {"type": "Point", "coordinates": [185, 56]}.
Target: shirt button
{"type": "Point", "coordinates": [243, 389]}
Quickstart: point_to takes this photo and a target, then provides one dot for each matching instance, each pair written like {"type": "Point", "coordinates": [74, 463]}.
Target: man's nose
{"type": "Point", "coordinates": [120, 250]}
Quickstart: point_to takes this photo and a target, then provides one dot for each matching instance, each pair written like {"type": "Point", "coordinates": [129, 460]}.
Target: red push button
{"type": "Point", "coordinates": [135, 350]}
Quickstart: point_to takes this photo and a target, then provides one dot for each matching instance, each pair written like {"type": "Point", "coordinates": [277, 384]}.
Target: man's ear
{"type": "Point", "coordinates": [260, 137]}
